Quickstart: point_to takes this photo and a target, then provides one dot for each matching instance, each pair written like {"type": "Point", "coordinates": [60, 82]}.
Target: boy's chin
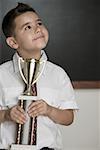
{"type": "Point", "coordinates": [42, 43]}
{"type": "Point", "coordinates": [41, 46]}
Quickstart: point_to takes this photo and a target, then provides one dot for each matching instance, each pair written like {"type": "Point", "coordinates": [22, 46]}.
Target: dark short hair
{"type": "Point", "coordinates": [8, 24]}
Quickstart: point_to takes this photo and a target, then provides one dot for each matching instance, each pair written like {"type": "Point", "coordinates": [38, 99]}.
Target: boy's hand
{"type": "Point", "coordinates": [39, 107]}
{"type": "Point", "coordinates": [17, 114]}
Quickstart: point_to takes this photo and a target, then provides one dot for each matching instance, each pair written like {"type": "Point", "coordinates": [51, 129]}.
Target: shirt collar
{"type": "Point", "coordinates": [16, 57]}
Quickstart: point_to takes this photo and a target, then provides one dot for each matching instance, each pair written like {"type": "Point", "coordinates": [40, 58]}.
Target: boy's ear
{"type": "Point", "coordinates": [12, 42]}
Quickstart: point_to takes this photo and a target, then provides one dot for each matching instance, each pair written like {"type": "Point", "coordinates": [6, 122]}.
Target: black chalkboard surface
{"type": "Point", "coordinates": [74, 27]}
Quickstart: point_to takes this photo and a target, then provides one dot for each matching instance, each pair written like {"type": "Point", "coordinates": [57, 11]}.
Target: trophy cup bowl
{"type": "Point", "coordinates": [30, 71]}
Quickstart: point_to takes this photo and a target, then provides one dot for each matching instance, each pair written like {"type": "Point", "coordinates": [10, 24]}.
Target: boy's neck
{"type": "Point", "coordinates": [36, 54]}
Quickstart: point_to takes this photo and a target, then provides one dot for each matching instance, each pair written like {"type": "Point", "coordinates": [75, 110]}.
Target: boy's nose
{"type": "Point", "coordinates": [38, 29]}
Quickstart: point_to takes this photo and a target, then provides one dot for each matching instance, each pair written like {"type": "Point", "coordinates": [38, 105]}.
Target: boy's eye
{"type": "Point", "coordinates": [28, 27]}
{"type": "Point", "coordinates": [39, 23]}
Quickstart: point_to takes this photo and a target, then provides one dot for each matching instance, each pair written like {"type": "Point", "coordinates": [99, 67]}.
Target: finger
{"type": "Point", "coordinates": [18, 116]}
{"type": "Point", "coordinates": [34, 104]}
{"type": "Point", "coordinates": [20, 109]}
{"type": "Point", "coordinates": [22, 112]}
{"type": "Point", "coordinates": [19, 121]}
{"type": "Point", "coordinates": [36, 112]}
{"type": "Point", "coordinates": [21, 118]}
{"type": "Point", "coordinates": [34, 107]}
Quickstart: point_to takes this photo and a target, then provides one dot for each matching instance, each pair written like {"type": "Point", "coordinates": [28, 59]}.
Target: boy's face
{"type": "Point", "coordinates": [30, 33]}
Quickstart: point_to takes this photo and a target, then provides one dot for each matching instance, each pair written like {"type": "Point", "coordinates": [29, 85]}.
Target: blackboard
{"type": "Point", "coordinates": [74, 28]}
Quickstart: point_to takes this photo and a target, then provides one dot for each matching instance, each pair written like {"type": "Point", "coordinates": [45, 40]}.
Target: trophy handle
{"type": "Point", "coordinates": [19, 64]}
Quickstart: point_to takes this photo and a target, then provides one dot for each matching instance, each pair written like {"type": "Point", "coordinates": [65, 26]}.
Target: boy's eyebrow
{"type": "Point", "coordinates": [27, 23]}
{"type": "Point", "coordinates": [38, 19]}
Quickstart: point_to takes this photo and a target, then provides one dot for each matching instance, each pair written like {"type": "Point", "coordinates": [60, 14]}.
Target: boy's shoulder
{"type": "Point", "coordinates": [54, 67]}
{"type": "Point", "coordinates": [6, 66]}
{"type": "Point", "coordinates": [56, 72]}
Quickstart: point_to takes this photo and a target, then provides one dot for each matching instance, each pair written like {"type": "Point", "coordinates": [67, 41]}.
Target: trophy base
{"type": "Point", "coordinates": [23, 147]}
{"type": "Point", "coordinates": [25, 97]}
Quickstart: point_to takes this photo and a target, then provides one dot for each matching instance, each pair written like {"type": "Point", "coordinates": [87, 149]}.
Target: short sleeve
{"type": "Point", "coordinates": [66, 93]}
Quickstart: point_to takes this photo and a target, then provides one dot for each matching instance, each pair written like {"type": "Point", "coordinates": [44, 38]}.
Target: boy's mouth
{"type": "Point", "coordinates": [38, 37]}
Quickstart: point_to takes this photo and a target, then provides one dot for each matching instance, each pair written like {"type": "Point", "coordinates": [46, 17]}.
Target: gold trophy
{"type": "Point", "coordinates": [30, 70]}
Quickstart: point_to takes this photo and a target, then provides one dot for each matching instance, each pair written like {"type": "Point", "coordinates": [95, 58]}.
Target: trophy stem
{"type": "Point", "coordinates": [27, 133]}
{"type": "Point", "coordinates": [18, 140]}
{"type": "Point", "coordinates": [28, 90]}
{"type": "Point", "coordinates": [34, 121]}
{"type": "Point", "coordinates": [33, 132]}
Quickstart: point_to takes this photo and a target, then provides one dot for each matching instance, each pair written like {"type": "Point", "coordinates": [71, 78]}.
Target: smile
{"type": "Point", "coordinates": [39, 37]}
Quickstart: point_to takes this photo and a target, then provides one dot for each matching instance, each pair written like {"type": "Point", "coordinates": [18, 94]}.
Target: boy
{"type": "Point", "coordinates": [26, 34]}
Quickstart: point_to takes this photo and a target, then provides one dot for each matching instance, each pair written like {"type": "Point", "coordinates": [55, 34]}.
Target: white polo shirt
{"type": "Point", "coordinates": [53, 86]}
